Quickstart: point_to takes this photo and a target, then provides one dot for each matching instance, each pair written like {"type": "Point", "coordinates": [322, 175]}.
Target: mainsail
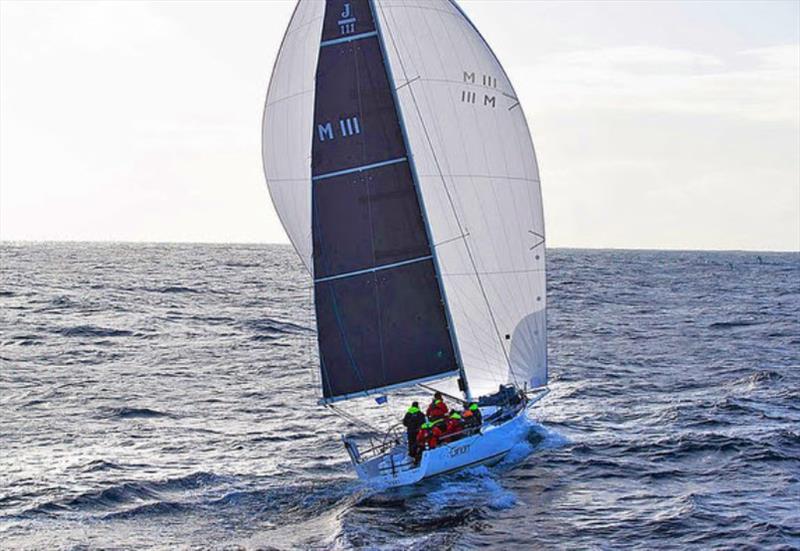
{"type": "Point", "coordinates": [400, 162]}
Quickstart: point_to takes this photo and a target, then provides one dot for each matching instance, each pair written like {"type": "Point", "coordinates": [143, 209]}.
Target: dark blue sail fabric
{"type": "Point", "coordinates": [380, 315]}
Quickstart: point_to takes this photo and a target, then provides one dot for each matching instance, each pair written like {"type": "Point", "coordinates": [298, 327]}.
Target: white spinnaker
{"type": "Point", "coordinates": [479, 181]}
{"type": "Point", "coordinates": [287, 127]}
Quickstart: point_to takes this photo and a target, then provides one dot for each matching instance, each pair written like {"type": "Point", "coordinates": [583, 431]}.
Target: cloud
{"type": "Point", "coordinates": [758, 84]}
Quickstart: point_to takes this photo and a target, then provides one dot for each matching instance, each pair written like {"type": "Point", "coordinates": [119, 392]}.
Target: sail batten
{"type": "Point", "coordinates": [386, 389]}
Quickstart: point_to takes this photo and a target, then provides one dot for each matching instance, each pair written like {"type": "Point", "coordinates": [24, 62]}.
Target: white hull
{"type": "Point", "coordinates": [396, 468]}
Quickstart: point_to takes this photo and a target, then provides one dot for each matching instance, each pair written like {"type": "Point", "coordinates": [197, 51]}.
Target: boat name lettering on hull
{"type": "Point", "coordinates": [458, 450]}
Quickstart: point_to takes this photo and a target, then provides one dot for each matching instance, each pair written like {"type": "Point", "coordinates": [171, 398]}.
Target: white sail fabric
{"type": "Point", "coordinates": [288, 126]}
{"type": "Point", "coordinates": [479, 181]}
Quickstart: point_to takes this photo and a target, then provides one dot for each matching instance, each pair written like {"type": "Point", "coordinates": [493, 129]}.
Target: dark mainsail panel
{"type": "Point", "coordinates": [380, 315]}
{"type": "Point", "coordinates": [367, 219]}
{"type": "Point", "coordinates": [381, 328]}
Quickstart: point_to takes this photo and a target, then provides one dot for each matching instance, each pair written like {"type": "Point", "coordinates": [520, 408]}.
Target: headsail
{"type": "Point", "coordinates": [287, 125]}
{"type": "Point", "coordinates": [371, 229]}
{"type": "Point", "coordinates": [480, 185]}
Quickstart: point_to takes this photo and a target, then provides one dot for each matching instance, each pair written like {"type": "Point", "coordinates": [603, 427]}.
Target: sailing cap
{"type": "Point", "coordinates": [473, 406]}
{"type": "Point", "coordinates": [455, 415]}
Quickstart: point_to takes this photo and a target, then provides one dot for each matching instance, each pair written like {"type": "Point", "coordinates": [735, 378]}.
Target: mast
{"type": "Point", "coordinates": [462, 374]}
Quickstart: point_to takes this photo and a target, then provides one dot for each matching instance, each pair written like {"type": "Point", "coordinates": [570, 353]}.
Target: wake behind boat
{"type": "Point", "coordinates": [400, 163]}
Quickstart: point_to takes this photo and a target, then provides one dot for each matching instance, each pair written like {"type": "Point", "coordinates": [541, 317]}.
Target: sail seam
{"type": "Point", "coordinates": [361, 168]}
{"type": "Point", "coordinates": [487, 176]}
{"type": "Point", "coordinates": [374, 269]}
{"type": "Point", "coordinates": [347, 39]}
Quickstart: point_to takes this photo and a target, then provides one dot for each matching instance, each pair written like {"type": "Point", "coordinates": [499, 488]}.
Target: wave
{"type": "Point", "coordinates": [759, 378]}
{"type": "Point", "coordinates": [25, 340]}
{"type": "Point", "coordinates": [100, 465]}
{"type": "Point", "coordinates": [159, 508]}
{"type": "Point", "coordinates": [171, 289]}
{"type": "Point", "coordinates": [126, 493]}
{"type": "Point", "coordinates": [92, 331]}
{"type": "Point", "coordinates": [270, 328]}
{"type": "Point", "coordinates": [134, 413]}
{"type": "Point", "coordinates": [734, 324]}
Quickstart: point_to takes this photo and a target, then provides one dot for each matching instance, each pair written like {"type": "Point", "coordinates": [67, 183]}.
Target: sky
{"type": "Point", "coordinates": [657, 125]}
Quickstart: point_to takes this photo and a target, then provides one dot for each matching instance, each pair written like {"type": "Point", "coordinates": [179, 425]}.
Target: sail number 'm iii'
{"type": "Point", "coordinates": [347, 127]}
{"type": "Point", "coordinates": [469, 96]}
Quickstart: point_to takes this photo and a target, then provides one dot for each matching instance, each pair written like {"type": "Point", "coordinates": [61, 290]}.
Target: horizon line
{"type": "Point", "coordinates": [570, 247]}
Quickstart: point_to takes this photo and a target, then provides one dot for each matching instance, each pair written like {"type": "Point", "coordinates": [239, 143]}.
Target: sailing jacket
{"type": "Point", "coordinates": [427, 439]}
{"type": "Point", "coordinates": [472, 419]}
{"type": "Point", "coordinates": [437, 410]}
{"type": "Point", "coordinates": [413, 420]}
{"type": "Point", "coordinates": [454, 425]}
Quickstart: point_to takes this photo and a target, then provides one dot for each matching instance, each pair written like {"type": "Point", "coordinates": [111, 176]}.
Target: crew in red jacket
{"type": "Point", "coordinates": [454, 427]}
{"type": "Point", "coordinates": [437, 409]}
{"type": "Point", "coordinates": [427, 439]}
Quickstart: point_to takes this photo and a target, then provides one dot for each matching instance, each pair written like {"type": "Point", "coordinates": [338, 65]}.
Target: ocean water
{"type": "Point", "coordinates": [161, 396]}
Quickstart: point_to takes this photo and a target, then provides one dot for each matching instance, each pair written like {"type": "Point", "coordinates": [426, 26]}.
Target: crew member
{"type": "Point", "coordinates": [413, 420]}
{"type": "Point", "coordinates": [469, 421]}
{"type": "Point", "coordinates": [472, 418]}
{"type": "Point", "coordinates": [454, 427]}
{"type": "Point", "coordinates": [427, 439]}
{"type": "Point", "coordinates": [476, 414]}
{"type": "Point", "coordinates": [437, 409]}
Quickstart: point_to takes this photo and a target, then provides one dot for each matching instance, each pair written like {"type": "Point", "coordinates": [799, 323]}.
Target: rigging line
{"type": "Point", "coordinates": [352, 418]}
{"type": "Point", "coordinates": [434, 389]}
{"type": "Point", "coordinates": [446, 241]}
{"type": "Point", "coordinates": [290, 96]}
{"type": "Point", "coordinates": [452, 205]}
{"type": "Point", "coordinates": [406, 83]}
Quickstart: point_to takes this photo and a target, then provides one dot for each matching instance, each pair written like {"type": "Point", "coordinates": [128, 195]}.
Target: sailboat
{"type": "Point", "coordinates": [400, 163]}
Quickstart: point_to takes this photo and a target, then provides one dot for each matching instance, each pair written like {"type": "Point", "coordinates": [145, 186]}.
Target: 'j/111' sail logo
{"type": "Point", "coordinates": [347, 23]}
